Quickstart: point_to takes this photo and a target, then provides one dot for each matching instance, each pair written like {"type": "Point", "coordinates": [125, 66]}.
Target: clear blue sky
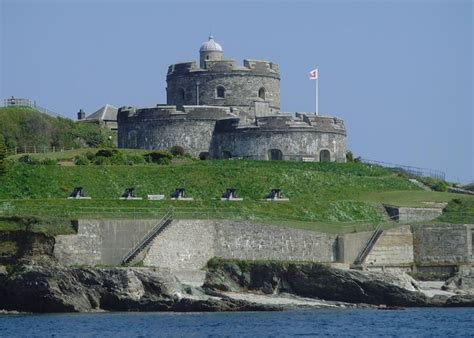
{"type": "Point", "coordinates": [398, 72]}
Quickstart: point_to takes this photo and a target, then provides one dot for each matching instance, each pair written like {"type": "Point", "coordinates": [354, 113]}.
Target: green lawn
{"type": "Point", "coordinates": [328, 197]}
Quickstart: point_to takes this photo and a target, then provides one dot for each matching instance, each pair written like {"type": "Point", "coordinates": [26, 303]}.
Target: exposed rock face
{"type": "Point", "coordinates": [54, 288]}
{"type": "Point", "coordinates": [318, 281]}
{"type": "Point", "coordinates": [462, 282]}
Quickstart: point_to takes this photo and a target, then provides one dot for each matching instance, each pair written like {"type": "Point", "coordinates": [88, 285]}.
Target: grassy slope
{"type": "Point", "coordinates": [323, 196]}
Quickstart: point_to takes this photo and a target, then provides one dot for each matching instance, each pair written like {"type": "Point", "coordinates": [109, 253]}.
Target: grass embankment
{"type": "Point", "coordinates": [327, 197]}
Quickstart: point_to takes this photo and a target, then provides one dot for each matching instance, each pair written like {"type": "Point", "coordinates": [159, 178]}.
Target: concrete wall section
{"type": "Point", "coordinates": [100, 241]}
{"type": "Point", "coordinates": [440, 244]}
{"type": "Point", "coordinates": [394, 247]}
{"type": "Point", "coordinates": [405, 214]}
{"type": "Point", "coordinates": [251, 241]}
{"type": "Point", "coordinates": [189, 244]}
{"type": "Point", "coordinates": [183, 245]}
{"type": "Point", "coordinates": [350, 245]}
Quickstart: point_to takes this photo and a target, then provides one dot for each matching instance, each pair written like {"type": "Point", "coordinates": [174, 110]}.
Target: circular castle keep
{"type": "Point", "coordinates": [218, 109]}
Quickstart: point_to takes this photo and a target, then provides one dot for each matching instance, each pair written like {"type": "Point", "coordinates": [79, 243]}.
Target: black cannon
{"type": "Point", "coordinates": [275, 194]}
{"type": "Point", "coordinates": [78, 192]}
{"type": "Point", "coordinates": [230, 193]}
{"type": "Point", "coordinates": [129, 193]}
{"type": "Point", "coordinates": [179, 193]}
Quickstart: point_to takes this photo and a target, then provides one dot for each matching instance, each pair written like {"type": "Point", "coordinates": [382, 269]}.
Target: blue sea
{"type": "Point", "coordinates": [334, 322]}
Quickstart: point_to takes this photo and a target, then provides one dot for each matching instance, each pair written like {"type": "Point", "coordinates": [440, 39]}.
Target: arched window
{"type": "Point", "coordinates": [181, 95]}
{"type": "Point", "coordinates": [324, 156]}
{"type": "Point", "coordinates": [261, 93]}
{"type": "Point", "coordinates": [220, 92]}
{"type": "Point", "coordinates": [226, 155]}
{"type": "Point", "coordinates": [275, 155]}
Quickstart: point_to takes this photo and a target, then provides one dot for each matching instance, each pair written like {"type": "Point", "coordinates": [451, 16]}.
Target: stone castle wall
{"type": "Point", "coordinates": [165, 127]}
{"type": "Point", "coordinates": [241, 84]}
{"type": "Point", "coordinates": [295, 142]}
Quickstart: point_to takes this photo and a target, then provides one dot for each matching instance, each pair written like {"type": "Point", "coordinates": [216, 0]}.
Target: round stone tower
{"type": "Point", "coordinates": [220, 82]}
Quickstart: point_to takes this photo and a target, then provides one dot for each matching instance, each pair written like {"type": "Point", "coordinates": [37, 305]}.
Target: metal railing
{"type": "Point", "coordinates": [415, 171]}
{"type": "Point", "coordinates": [374, 236]}
{"type": "Point", "coordinates": [138, 247]}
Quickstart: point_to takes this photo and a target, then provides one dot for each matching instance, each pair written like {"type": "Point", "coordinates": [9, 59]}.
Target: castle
{"type": "Point", "coordinates": [218, 109]}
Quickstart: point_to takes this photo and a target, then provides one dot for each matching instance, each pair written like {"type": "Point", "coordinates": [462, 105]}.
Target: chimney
{"type": "Point", "coordinates": [81, 115]}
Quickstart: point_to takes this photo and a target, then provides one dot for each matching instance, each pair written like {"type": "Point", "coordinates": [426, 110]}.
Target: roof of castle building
{"type": "Point", "coordinates": [211, 46]}
{"type": "Point", "coordinates": [105, 113]}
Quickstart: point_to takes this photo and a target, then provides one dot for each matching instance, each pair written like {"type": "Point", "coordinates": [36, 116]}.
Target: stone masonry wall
{"type": "Point", "coordinates": [440, 244]}
{"type": "Point", "coordinates": [294, 144]}
{"type": "Point", "coordinates": [189, 244]}
{"type": "Point", "coordinates": [100, 241]}
{"type": "Point", "coordinates": [394, 247]}
{"type": "Point", "coordinates": [241, 87]}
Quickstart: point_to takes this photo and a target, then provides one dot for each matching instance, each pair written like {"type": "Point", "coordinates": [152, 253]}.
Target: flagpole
{"type": "Point", "coordinates": [317, 91]}
{"type": "Point", "coordinates": [317, 95]}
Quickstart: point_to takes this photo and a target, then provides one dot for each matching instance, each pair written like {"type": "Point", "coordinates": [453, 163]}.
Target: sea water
{"type": "Point", "coordinates": [335, 322]}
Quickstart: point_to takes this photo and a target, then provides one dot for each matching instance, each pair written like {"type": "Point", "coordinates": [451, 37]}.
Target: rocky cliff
{"type": "Point", "coordinates": [32, 280]}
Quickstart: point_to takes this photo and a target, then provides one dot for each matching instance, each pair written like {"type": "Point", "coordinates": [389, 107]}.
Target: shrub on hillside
{"type": "Point", "coordinates": [177, 151]}
{"type": "Point", "coordinates": [81, 160]}
{"type": "Point", "coordinates": [106, 152]}
{"type": "Point", "coordinates": [132, 159]}
{"type": "Point", "coordinates": [101, 160]}
{"type": "Point", "coordinates": [159, 157]}
{"type": "Point", "coordinates": [3, 159]}
{"type": "Point", "coordinates": [435, 184]}
{"type": "Point", "coordinates": [27, 159]}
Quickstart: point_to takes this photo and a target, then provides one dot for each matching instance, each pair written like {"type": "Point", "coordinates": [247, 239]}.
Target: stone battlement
{"type": "Point", "coordinates": [225, 66]}
{"type": "Point", "coordinates": [170, 112]}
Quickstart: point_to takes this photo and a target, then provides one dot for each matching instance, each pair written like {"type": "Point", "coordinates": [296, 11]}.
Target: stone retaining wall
{"type": "Point", "coordinates": [189, 244]}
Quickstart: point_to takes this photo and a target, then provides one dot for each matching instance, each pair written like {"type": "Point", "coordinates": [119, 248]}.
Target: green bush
{"type": "Point", "coordinates": [106, 152]}
{"type": "Point", "coordinates": [101, 160]}
{"type": "Point", "coordinates": [435, 184]}
{"type": "Point", "coordinates": [164, 161]}
{"type": "Point", "coordinates": [177, 151]}
{"type": "Point", "coordinates": [3, 157]}
{"type": "Point", "coordinates": [132, 159]}
{"type": "Point", "coordinates": [157, 156]}
{"type": "Point", "coordinates": [81, 160]}
{"type": "Point", "coordinates": [27, 159]}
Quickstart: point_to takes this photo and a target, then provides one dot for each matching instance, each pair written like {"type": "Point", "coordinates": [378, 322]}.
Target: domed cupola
{"type": "Point", "coordinates": [210, 51]}
{"type": "Point", "coordinates": [211, 46]}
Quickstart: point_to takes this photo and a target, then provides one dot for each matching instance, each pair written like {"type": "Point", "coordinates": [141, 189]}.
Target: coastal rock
{"type": "Point", "coordinates": [55, 288]}
{"type": "Point", "coordinates": [462, 282]}
{"type": "Point", "coordinates": [317, 281]}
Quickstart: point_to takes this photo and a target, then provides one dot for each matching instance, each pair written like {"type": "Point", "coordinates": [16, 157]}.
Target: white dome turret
{"type": "Point", "coordinates": [210, 51]}
{"type": "Point", "coordinates": [211, 46]}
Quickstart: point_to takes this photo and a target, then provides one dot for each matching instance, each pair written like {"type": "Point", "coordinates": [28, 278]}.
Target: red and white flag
{"type": "Point", "coordinates": [313, 75]}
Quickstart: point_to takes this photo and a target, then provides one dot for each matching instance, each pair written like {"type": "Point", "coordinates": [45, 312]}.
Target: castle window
{"type": "Point", "coordinates": [275, 155]}
{"type": "Point", "coordinates": [181, 95]}
{"type": "Point", "coordinates": [220, 92]}
{"type": "Point", "coordinates": [324, 156]}
{"type": "Point", "coordinates": [261, 93]}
